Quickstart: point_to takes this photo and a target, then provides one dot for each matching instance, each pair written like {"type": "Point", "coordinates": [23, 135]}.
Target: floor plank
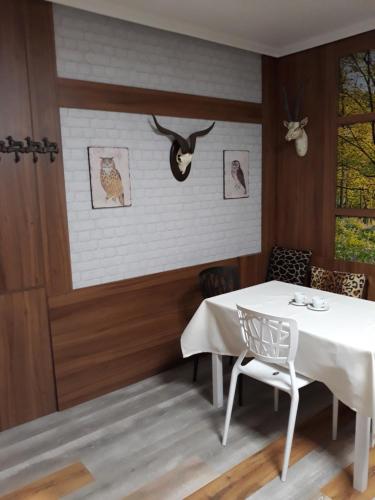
{"type": "Point", "coordinates": [340, 487]}
{"type": "Point", "coordinates": [139, 435]}
{"type": "Point", "coordinates": [55, 485]}
{"type": "Point", "coordinates": [254, 472]}
{"type": "Point", "coordinates": [177, 483]}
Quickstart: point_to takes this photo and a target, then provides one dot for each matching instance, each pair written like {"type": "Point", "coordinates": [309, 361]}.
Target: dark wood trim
{"type": "Point", "coordinates": [269, 154]}
{"type": "Point", "coordinates": [329, 156]}
{"type": "Point", "coordinates": [107, 97]}
{"type": "Point", "coordinates": [362, 118]}
{"type": "Point", "coordinates": [353, 44]}
{"type": "Point", "coordinates": [355, 212]}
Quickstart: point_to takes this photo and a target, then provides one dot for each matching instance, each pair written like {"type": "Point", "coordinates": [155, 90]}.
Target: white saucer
{"type": "Point", "coordinates": [323, 308]}
{"type": "Point", "coordinates": [294, 303]}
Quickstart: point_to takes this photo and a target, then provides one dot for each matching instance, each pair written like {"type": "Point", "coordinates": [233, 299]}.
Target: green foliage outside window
{"type": "Point", "coordinates": [357, 83]}
{"type": "Point", "coordinates": [355, 239]}
{"type": "Point", "coordinates": [355, 186]}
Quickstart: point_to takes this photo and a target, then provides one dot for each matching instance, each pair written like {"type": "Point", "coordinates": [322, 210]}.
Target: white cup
{"type": "Point", "coordinates": [318, 302]}
{"type": "Point", "coordinates": [299, 298]}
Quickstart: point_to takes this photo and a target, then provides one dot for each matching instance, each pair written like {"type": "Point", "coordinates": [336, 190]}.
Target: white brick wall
{"type": "Point", "coordinates": [170, 224]}
{"type": "Point", "coordinates": [102, 49]}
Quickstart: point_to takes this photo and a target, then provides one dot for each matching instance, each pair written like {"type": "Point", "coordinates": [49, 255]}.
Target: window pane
{"type": "Point", "coordinates": [357, 83]}
{"type": "Point", "coordinates": [355, 239]}
{"type": "Point", "coordinates": [355, 186]}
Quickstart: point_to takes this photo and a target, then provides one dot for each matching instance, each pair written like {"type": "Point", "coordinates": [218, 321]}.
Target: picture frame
{"type": "Point", "coordinates": [109, 177]}
{"type": "Point", "coordinates": [236, 173]}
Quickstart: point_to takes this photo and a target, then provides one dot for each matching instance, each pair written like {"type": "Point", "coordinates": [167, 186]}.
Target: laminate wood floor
{"type": "Point", "coordinates": [160, 439]}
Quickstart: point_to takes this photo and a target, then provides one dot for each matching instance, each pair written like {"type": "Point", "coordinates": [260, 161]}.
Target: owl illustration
{"type": "Point", "coordinates": [110, 179]}
{"type": "Point", "coordinates": [238, 176]}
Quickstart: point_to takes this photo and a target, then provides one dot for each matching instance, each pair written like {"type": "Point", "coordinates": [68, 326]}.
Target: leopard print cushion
{"type": "Point", "coordinates": [322, 279]}
{"type": "Point", "coordinates": [350, 284]}
{"type": "Point", "coordinates": [289, 265]}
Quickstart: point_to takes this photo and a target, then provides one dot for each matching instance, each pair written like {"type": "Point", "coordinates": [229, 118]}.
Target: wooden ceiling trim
{"type": "Point", "coordinates": [108, 97]}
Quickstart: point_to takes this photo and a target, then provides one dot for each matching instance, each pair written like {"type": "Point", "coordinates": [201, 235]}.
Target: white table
{"type": "Point", "coordinates": [336, 347]}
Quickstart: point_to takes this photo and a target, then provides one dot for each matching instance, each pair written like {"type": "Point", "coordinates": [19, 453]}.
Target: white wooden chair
{"type": "Point", "coordinates": [273, 342]}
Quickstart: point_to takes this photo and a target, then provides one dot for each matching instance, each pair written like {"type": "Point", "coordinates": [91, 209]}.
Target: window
{"type": "Point", "coordinates": [356, 166]}
{"type": "Point", "coordinates": [355, 239]}
{"type": "Point", "coordinates": [355, 175]}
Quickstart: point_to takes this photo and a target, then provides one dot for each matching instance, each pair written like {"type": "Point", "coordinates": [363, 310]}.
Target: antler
{"type": "Point", "coordinates": [193, 137]}
{"type": "Point", "coordinates": [181, 141]}
{"type": "Point", "coordinates": [298, 103]}
{"type": "Point", "coordinates": [286, 105]}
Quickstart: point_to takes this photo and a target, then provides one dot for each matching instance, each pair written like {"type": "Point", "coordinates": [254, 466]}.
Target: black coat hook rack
{"type": "Point", "coordinates": [45, 146]}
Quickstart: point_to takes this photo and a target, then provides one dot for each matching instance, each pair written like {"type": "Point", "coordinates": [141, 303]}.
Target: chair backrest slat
{"type": "Point", "coordinates": [272, 339]}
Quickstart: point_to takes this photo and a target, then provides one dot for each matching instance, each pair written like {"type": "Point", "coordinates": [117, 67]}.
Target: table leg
{"type": "Point", "coordinates": [361, 452]}
{"type": "Point", "coordinates": [217, 380]}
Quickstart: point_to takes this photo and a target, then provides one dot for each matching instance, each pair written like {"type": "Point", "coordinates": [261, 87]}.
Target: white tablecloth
{"type": "Point", "coordinates": [335, 347]}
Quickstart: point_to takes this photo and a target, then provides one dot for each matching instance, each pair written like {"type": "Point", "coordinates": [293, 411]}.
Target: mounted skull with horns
{"type": "Point", "coordinates": [182, 149]}
{"type": "Point", "coordinates": [296, 126]}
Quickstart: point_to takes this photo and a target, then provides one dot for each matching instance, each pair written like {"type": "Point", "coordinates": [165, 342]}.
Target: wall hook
{"type": "Point", "coordinates": [51, 148]}
{"type": "Point", "coordinates": [33, 147]}
{"type": "Point", "coordinates": [15, 147]}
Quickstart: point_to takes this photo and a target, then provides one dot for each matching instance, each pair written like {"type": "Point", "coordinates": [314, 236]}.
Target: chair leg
{"type": "Point", "coordinates": [372, 433]}
{"type": "Point", "coordinates": [232, 392]}
{"type": "Point", "coordinates": [240, 390]}
{"type": "Point", "coordinates": [290, 433]}
{"type": "Point", "coordinates": [195, 372]}
{"type": "Point", "coordinates": [276, 399]}
{"type": "Point", "coordinates": [335, 416]}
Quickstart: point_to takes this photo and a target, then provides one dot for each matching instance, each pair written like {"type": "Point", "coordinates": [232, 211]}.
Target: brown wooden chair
{"type": "Point", "coordinates": [215, 281]}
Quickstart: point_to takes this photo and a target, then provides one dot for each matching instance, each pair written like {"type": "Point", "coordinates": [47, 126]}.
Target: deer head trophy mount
{"type": "Point", "coordinates": [296, 126]}
{"type": "Point", "coordinates": [182, 149]}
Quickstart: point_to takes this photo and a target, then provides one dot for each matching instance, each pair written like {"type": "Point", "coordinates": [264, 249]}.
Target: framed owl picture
{"type": "Point", "coordinates": [109, 177]}
{"type": "Point", "coordinates": [236, 174]}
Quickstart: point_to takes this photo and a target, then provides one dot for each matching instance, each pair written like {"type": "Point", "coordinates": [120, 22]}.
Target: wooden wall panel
{"type": "Point", "coordinates": [27, 387]}
{"type": "Point", "coordinates": [306, 186]}
{"type": "Point", "coordinates": [302, 221]}
{"type": "Point", "coordinates": [41, 63]}
{"type": "Point", "coordinates": [107, 336]}
{"type": "Point", "coordinates": [21, 264]}
{"type": "Point", "coordinates": [26, 373]}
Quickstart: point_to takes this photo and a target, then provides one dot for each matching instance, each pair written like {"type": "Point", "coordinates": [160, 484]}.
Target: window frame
{"type": "Point", "coordinates": [341, 120]}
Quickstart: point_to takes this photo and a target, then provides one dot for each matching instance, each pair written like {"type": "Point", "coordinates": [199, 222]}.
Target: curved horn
{"type": "Point", "coordinates": [193, 137]}
{"type": "Point", "coordinates": [298, 103]}
{"type": "Point", "coordinates": [286, 105]}
{"type": "Point", "coordinates": [181, 141]}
